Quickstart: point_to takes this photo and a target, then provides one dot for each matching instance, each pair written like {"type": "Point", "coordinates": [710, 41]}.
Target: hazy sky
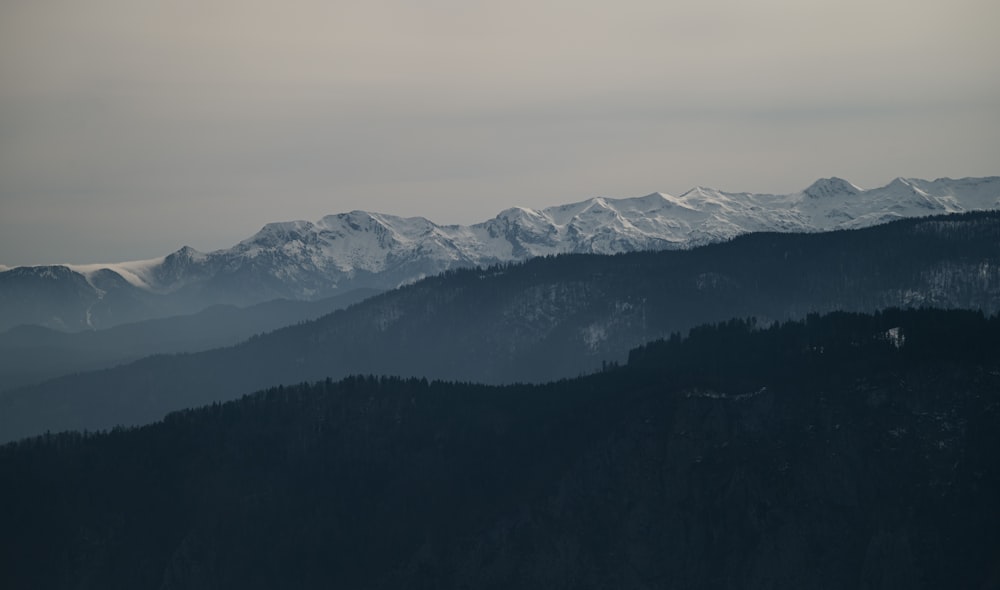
{"type": "Point", "coordinates": [129, 128]}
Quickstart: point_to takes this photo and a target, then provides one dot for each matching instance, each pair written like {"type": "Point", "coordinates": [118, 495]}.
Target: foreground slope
{"type": "Point", "coordinates": [548, 318]}
{"type": "Point", "coordinates": [310, 260]}
{"type": "Point", "coordinates": [840, 452]}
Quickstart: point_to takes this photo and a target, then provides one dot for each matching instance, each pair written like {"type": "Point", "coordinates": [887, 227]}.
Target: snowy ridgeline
{"type": "Point", "coordinates": [310, 260]}
{"type": "Point", "coordinates": [342, 245]}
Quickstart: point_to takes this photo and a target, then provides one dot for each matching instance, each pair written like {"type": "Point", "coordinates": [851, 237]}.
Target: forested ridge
{"type": "Point", "coordinates": [842, 450]}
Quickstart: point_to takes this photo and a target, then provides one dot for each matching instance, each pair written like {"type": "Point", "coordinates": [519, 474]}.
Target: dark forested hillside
{"type": "Point", "coordinates": [843, 451]}
{"type": "Point", "coordinates": [549, 318]}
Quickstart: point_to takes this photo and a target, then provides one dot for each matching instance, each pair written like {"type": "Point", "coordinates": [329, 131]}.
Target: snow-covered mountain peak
{"type": "Point", "coordinates": [189, 253]}
{"type": "Point", "coordinates": [922, 189]}
{"type": "Point", "coordinates": [927, 197]}
{"type": "Point", "coordinates": [564, 214]}
{"type": "Point", "coordinates": [519, 213]}
{"type": "Point", "coordinates": [714, 201]}
{"type": "Point", "coordinates": [972, 193]}
{"type": "Point", "coordinates": [904, 185]}
{"type": "Point", "coordinates": [705, 194]}
{"type": "Point", "coordinates": [350, 221]}
{"type": "Point", "coordinates": [400, 227]}
{"type": "Point", "coordinates": [650, 203]}
{"type": "Point", "coordinates": [610, 210]}
{"type": "Point", "coordinates": [278, 232]}
{"type": "Point", "coordinates": [831, 187]}
{"type": "Point", "coordinates": [699, 191]}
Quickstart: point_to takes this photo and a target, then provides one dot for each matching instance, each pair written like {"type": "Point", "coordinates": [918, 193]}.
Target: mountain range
{"type": "Point", "coordinates": [312, 260]}
{"type": "Point", "coordinates": [636, 393]}
{"type": "Point", "coordinates": [548, 318]}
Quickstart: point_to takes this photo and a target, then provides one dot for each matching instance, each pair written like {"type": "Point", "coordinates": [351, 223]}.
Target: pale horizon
{"type": "Point", "coordinates": [129, 131]}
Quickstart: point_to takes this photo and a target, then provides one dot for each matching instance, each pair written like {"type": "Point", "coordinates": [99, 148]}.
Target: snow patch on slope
{"type": "Point", "coordinates": [138, 273]}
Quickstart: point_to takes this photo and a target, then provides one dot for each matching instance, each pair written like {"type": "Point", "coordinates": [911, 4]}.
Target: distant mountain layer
{"type": "Point", "coordinates": [310, 260]}
{"type": "Point", "coordinates": [549, 318]}
{"type": "Point", "coordinates": [32, 354]}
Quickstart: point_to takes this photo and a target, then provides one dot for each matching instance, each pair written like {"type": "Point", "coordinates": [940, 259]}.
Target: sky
{"type": "Point", "coordinates": [130, 128]}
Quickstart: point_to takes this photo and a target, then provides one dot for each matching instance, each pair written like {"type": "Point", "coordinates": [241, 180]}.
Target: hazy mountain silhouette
{"type": "Point", "coordinates": [31, 354]}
